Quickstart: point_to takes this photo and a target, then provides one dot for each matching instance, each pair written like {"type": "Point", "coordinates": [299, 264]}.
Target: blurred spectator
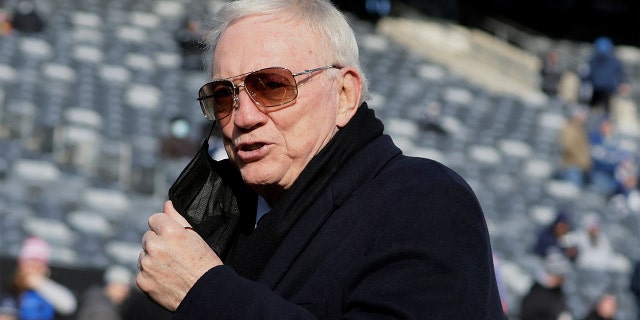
{"type": "Point", "coordinates": [595, 249]}
{"type": "Point", "coordinates": [634, 286]}
{"type": "Point", "coordinates": [626, 175]}
{"type": "Point", "coordinates": [5, 22]}
{"type": "Point", "coordinates": [550, 73]}
{"type": "Point", "coordinates": [606, 154]}
{"type": "Point", "coordinates": [26, 18]}
{"type": "Point", "coordinates": [585, 89]}
{"type": "Point", "coordinates": [626, 195]}
{"type": "Point", "coordinates": [606, 74]}
{"type": "Point", "coordinates": [8, 309]}
{"type": "Point", "coordinates": [102, 302]}
{"type": "Point", "coordinates": [556, 238]}
{"type": "Point", "coordinates": [188, 38]}
{"type": "Point", "coordinates": [604, 309]}
{"type": "Point", "coordinates": [370, 10]}
{"type": "Point", "coordinates": [432, 120]}
{"type": "Point", "coordinates": [575, 161]}
{"type": "Point", "coordinates": [376, 9]}
{"type": "Point", "coordinates": [40, 298]}
{"type": "Point", "coordinates": [546, 299]}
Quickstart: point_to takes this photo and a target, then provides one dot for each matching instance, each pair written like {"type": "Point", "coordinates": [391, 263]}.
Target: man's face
{"type": "Point", "coordinates": [272, 148]}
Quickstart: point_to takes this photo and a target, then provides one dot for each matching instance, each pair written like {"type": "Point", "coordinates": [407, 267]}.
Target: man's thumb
{"type": "Point", "coordinates": [175, 215]}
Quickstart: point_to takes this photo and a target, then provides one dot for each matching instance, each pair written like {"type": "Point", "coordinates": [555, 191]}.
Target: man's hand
{"type": "Point", "coordinates": [173, 258]}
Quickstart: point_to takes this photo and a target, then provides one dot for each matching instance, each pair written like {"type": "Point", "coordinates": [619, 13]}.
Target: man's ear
{"type": "Point", "coordinates": [350, 91]}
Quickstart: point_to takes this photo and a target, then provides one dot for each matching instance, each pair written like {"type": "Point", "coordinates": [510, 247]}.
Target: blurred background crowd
{"type": "Point", "coordinates": [534, 103]}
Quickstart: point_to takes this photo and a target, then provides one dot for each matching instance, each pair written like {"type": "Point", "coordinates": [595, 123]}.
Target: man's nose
{"type": "Point", "coordinates": [247, 112]}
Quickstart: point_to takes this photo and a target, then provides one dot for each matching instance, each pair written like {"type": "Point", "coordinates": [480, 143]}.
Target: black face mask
{"type": "Point", "coordinates": [211, 196]}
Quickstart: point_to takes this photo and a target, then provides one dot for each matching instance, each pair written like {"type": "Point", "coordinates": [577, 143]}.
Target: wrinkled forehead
{"type": "Point", "coordinates": [258, 42]}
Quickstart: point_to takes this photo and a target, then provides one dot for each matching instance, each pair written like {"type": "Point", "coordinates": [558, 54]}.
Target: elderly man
{"type": "Point", "coordinates": [316, 214]}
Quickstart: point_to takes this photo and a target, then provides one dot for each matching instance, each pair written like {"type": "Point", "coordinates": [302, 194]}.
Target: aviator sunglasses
{"type": "Point", "coordinates": [268, 87]}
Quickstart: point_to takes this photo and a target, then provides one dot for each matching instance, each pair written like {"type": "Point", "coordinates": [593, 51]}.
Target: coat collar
{"type": "Point", "coordinates": [362, 167]}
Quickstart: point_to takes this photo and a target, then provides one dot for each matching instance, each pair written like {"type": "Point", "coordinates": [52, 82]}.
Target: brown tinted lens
{"type": "Point", "coordinates": [217, 98]}
{"type": "Point", "coordinates": [272, 86]}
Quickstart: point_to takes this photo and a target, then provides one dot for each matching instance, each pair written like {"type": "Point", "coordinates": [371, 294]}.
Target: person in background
{"type": "Point", "coordinates": [316, 213]}
{"type": "Point", "coordinates": [8, 308]}
{"type": "Point", "coordinates": [596, 252]}
{"type": "Point", "coordinates": [546, 299]}
{"type": "Point", "coordinates": [26, 18]}
{"type": "Point", "coordinates": [556, 237]}
{"type": "Point", "coordinates": [377, 9]}
{"type": "Point", "coordinates": [606, 74]}
{"type": "Point", "coordinates": [102, 302]}
{"type": "Point", "coordinates": [604, 309]}
{"type": "Point", "coordinates": [551, 73]}
{"type": "Point", "coordinates": [575, 161]}
{"type": "Point", "coordinates": [432, 119]}
{"type": "Point", "coordinates": [39, 297]}
{"type": "Point", "coordinates": [192, 49]}
{"type": "Point", "coordinates": [5, 21]}
{"type": "Point", "coordinates": [368, 10]}
{"type": "Point", "coordinates": [626, 195]}
{"type": "Point", "coordinates": [606, 155]}
{"type": "Point", "coordinates": [626, 175]}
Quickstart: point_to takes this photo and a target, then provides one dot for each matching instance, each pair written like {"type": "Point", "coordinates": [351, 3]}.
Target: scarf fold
{"type": "Point", "coordinates": [222, 209]}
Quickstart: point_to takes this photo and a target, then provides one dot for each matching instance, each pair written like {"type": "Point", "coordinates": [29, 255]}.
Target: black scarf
{"type": "Point", "coordinates": [228, 206]}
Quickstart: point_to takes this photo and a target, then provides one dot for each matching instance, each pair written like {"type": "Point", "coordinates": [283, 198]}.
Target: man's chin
{"type": "Point", "coordinates": [256, 174]}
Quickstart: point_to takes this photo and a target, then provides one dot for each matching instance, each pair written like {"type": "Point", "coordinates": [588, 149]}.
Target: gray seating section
{"type": "Point", "coordinates": [83, 107]}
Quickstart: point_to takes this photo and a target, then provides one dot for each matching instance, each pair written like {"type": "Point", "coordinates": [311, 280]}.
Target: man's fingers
{"type": "Point", "coordinates": [158, 222]}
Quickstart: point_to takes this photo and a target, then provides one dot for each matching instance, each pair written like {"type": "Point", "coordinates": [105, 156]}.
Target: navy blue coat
{"type": "Point", "coordinates": [391, 237]}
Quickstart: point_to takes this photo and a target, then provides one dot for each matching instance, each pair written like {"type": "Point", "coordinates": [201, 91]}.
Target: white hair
{"type": "Point", "coordinates": [321, 17]}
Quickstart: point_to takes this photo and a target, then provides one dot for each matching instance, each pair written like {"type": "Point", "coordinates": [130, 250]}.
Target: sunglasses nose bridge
{"type": "Point", "coordinates": [236, 94]}
{"type": "Point", "coordinates": [250, 94]}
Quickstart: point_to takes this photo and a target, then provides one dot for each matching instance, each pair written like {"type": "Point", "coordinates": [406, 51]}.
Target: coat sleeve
{"type": "Point", "coordinates": [222, 294]}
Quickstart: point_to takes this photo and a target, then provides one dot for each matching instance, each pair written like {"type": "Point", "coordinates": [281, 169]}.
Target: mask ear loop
{"type": "Point", "coordinates": [213, 126]}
